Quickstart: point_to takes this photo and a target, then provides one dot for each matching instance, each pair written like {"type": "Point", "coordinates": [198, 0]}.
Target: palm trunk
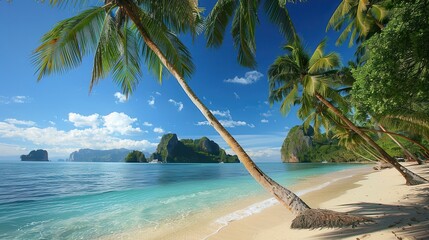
{"type": "Point", "coordinates": [410, 177]}
{"type": "Point", "coordinates": [408, 154]}
{"type": "Point", "coordinates": [295, 204]}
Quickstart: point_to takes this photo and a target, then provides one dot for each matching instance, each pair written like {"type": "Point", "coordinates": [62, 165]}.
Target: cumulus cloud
{"type": "Point", "coordinates": [249, 78]}
{"type": "Point", "coordinates": [225, 114]}
{"type": "Point", "coordinates": [78, 120]}
{"type": "Point", "coordinates": [120, 123]}
{"type": "Point", "coordinates": [158, 130]}
{"type": "Point", "coordinates": [264, 121]}
{"type": "Point", "coordinates": [20, 122]}
{"type": "Point", "coordinates": [227, 123]}
{"type": "Point", "coordinates": [179, 105]}
{"type": "Point", "coordinates": [147, 124]}
{"type": "Point", "coordinates": [151, 101]}
{"type": "Point", "coordinates": [120, 97]}
{"type": "Point", "coordinates": [63, 142]}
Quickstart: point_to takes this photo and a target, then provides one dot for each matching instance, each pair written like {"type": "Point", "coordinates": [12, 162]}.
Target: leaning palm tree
{"type": "Point", "coordinates": [122, 33]}
{"type": "Point", "coordinates": [313, 73]}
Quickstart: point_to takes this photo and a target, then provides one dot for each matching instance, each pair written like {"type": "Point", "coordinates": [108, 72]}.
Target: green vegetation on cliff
{"type": "Point", "coordinates": [302, 146]}
{"type": "Point", "coordinates": [135, 157]}
{"type": "Point", "coordinates": [202, 150]}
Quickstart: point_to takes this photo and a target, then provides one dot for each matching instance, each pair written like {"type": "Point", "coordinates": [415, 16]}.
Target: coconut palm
{"type": "Point", "coordinates": [122, 34]}
{"type": "Point", "coordinates": [244, 20]}
{"type": "Point", "coordinates": [363, 18]}
{"type": "Point", "coordinates": [297, 70]}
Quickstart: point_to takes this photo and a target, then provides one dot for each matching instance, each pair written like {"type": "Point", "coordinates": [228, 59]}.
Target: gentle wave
{"type": "Point", "coordinates": [260, 206]}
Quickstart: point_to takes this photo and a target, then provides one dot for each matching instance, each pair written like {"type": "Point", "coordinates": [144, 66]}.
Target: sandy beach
{"type": "Point", "coordinates": [399, 211]}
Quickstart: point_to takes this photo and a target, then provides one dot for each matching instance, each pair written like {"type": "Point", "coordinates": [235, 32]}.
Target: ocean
{"type": "Point", "coordinates": [70, 200]}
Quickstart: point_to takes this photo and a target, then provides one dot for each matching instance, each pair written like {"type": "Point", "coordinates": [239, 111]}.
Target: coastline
{"type": "Point", "coordinates": [399, 211]}
{"type": "Point", "coordinates": [259, 217]}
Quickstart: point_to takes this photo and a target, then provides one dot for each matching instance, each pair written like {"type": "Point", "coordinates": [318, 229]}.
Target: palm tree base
{"type": "Point", "coordinates": [321, 218]}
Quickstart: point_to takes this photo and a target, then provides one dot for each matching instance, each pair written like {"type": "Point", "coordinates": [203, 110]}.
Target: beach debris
{"type": "Point", "coordinates": [322, 218]}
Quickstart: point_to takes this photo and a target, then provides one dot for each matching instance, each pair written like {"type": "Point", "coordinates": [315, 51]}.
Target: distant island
{"type": "Point", "coordinates": [203, 150]}
{"type": "Point", "coordinates": [169, 150]}
{"type": "Point", "coordinates": [302, 146]}
{"type": "Point", "coordinates": [91, 155]}
{"type": "Point", "coordinates": [39, 155]}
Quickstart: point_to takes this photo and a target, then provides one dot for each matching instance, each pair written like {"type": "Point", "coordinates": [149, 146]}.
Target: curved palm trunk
{"type": "Point", "coordinates": [295, 204]}
{"type": "Point", "coordinates": [410, 177]}
{"type": "Point", "coordinates": [425, 149]}
{"type": "Point", "coordinates": [407, 153]}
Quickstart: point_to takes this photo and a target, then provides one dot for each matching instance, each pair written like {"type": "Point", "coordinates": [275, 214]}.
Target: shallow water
{"type": "Point", "coordinates": [49, 200]}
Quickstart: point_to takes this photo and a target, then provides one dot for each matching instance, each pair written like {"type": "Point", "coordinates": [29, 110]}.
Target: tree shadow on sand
{"type": "Point", "coordinates": [410, 218]}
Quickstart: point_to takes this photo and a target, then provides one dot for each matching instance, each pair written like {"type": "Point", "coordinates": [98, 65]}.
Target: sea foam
{"type": "Point", "coordinates": [260, 206]}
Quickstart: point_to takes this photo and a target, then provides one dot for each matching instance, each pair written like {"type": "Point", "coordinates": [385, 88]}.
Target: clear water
{"type": "Point", "coordinates": [50, 200]}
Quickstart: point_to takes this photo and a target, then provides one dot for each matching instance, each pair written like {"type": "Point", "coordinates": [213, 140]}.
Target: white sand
{"type": "Point", "coordinates": [399, 211]}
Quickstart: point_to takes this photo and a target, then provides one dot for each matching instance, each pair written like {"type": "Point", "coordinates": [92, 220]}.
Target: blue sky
{"type": "Point", "coordinates": [58, 114]}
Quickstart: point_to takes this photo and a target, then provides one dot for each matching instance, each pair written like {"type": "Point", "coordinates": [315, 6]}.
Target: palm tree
{"type": "Point", "coordinates": [244, 20]}
{"type": "Point", "coordinates": [363, 19]}
{"type": "Point", "coordinates": [313, 73]}
{"type": "Point", "coordinates": [121, 33]}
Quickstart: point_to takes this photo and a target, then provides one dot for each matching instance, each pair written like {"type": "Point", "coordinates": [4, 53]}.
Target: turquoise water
{"type": "Point", "coordinates": [50, 200]}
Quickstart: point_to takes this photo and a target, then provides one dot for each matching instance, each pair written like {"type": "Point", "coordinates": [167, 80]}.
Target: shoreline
{"type": "Point", "coordinates": [399, 211]}
{"type": "Point", "coordinates": [218, 223]}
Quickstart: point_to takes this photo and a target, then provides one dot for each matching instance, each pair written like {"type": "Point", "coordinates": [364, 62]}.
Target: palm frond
{"type": "Point", "coordinates": [217, 21]}
{"type": "Point", "coordinates": [279, 15]}
{"type": "Point", "coordinates": [243, 32]}
{"type": "Point", "coordinates": [68, 42]}
{"type": "Point", "coordinates": [127, 72]}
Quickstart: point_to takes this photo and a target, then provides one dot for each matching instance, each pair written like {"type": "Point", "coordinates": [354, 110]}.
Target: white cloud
{"type": "Point", "coordinates": [120, 123]}
{"type": "Point", "coordinates": [120, 97]}
{"type": "Point", "coordinates": [158, 130]}
{"type": "Point", "coordinates": [179, 105]}
{"type": "Point", "coordinates": [20, 122]}
{"type": "Point", "coordinates": [264, 121]}
{"type": "Point", "coordinates": [84, 121]}
{"type": "Point", "coordinates": [267, 114]}
{"type": "Point", "coordinates": [14, 99]}
{"type": "Point", "coordinates": [158, 93]}
{"type": "Point", "coordinates": [151, 101]}
{"type": "Point", "coordinates": [20, 99]}
{"type": "Point", "coordinates": [52, 123]}
{"type": "Point", "coordinates": [249, 78]}
{"type": "Point", "coordinates": [62, 143]}
{"type": "Point", "coordinates": [147, 124]}
{"type": "Point", "coordinates": [225, 114]}
{"type": "Point", "coordinates": [227, 123]}
{"type": "Point", "coordinates": [236, 95]}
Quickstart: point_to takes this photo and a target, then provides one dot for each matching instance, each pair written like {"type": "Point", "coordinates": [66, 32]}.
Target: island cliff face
{"type": "Point", "coordinates": [303, 146]}
{"type": "Point", "coordinates": [297, 142]}
{"type": "Point", "coordinates": [36, 155]}
{"type": "Point", "coordinates": [90, 155]}
{"type": "Point", "coordinates": [203, 150]}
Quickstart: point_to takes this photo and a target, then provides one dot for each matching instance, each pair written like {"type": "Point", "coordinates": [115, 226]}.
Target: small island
{"type": "Point", "coordinates": [203, 150]}
{"type": "Point", "coordinates": [39, 155]}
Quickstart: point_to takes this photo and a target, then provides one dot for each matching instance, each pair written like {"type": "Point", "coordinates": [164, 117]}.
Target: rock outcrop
{"type": "Point", "coordinates": [90, 155]}
{"type": "Point", "coordinates": [36, 155]}
{"type": "Point", "coordinates": [297, 142]}
{"type": "Point", "coordinates": [204, 150]}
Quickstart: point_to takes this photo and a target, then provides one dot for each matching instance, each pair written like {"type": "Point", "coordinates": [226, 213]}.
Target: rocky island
{"type": "Point", "coordinates": [203, 150]}
{"type": "Point", "coordinates": [39, 155]}
{"type": "Point", "coordinates": [302, 146]}
{"type": "Point", "coordinates": [91, 155]}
